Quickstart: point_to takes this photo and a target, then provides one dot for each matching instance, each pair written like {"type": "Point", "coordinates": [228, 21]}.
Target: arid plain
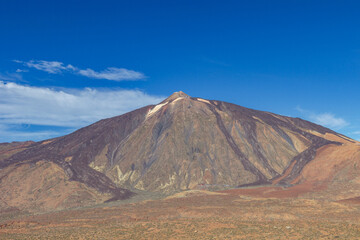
{"type": "Point", "coordinates": [194, 214]}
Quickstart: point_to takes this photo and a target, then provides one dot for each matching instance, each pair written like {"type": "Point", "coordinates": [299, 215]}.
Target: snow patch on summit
{"type": "Point", "coordinates": [155, 109]}
{"type": "Point", "coordinates": [203, 100]}
{"type": "Point", "coordinates": [179, 98]}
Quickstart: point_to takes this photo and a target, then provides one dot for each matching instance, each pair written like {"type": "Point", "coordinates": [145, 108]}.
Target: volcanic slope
{"type": "Point", "coordinates": [182, 143]}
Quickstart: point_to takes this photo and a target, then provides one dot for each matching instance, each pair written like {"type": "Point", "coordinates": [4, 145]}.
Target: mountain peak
{"type": "Point", "coordinates": [176, 95]}
{"type": "Point", "coordinates": [182, 143]}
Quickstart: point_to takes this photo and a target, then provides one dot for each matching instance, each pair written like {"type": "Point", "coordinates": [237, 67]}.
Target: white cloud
{"type": "Point", "coordinates": [356, 132]}
{"type": "Point", "coordinates": [329, 120]}
{"type": "Point", "coordinates": [112, 73]}
{"type": "Point", "coordinates": [55, 67]}
{"type": "Point", "coordinates": [21, 70]}
{"type": "Point", "coordinates": [71, 108]}
{"type": "Point", "coordinates": [325, 119]}
{"type": "Point", "coordinates": [301, 110]}
{"type": "Point", "coordinates": [11, 77]}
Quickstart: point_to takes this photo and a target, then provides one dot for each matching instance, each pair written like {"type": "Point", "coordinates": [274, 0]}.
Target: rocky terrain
{"type": "Point", "coordinates": [194, 214]}
{"type": "Point", "coordinates": [187, 168]}
{"type": "Point", "coordinates": [182, 143]}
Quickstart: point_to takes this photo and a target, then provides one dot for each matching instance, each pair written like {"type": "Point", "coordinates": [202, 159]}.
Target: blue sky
{"type": "Point", "coordinates": [66, 64]}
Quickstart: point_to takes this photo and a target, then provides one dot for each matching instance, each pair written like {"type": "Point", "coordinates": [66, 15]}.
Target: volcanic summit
{"type": "Point", "coordinates": [179, 144]}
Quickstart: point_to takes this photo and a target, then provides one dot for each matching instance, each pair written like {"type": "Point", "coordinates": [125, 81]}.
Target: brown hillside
{"type": "Point", "coordinates": [180, 144]}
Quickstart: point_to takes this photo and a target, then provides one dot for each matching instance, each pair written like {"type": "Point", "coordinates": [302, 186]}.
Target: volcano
{"type": "Point", "coordinates": [179, 144]}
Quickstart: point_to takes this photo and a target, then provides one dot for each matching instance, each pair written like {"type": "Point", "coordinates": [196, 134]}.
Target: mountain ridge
{"type": "Point", "coordinates": [179, 144]}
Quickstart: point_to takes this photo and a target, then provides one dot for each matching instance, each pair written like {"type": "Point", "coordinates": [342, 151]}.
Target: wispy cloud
{"type": "Point", "coordinates": [325, 119]}
{"type": "Point", "coordinates": [11, 77]}
{"type": "Point", "coordinates": [56, 67]}
{"type": "Point", "coordinates": [53, 67]}
{"type": "Point", "coordinates": [356, 132]}
{"type": "Point", "coordinates": [329, 120]}
{"type": "Point", "coordinates": [20, 104]}
{"type": "Point", "coordinates": [112, 73]}
{"type": "Point", "coordinates": [21, 70]}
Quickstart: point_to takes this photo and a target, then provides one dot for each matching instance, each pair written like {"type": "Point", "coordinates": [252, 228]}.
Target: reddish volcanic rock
{"type": "Point", "coordinates": [182, 143]}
